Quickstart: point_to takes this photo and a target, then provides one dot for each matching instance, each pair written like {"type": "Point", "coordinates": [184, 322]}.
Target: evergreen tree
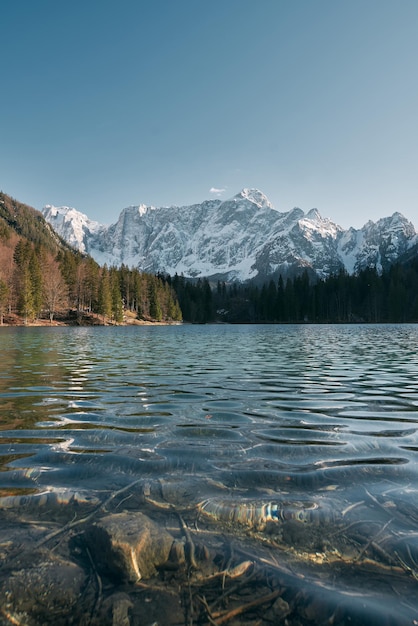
{"type": "Point", "coordinates": [25, 304]}
{"type": "Point", "coordinates": [117, 303]}
{"type": "Point", "coordinates": [23, 280]}
{"type": "Point", "coordinates": [397, 294]}
{"type": "Point", "coordinates": [89, 283]}
{"type": "Point", "coordinates": [279, 306]}
{"type": "Point", "coordinates": [104, 304]}
{"type": "Point", "coordinates": [154, 304]}
{"type": "Point", "coordinates": [207, 302]}
{"type": "Point", "coordinates": [36, 282]}
{"type": "Point", "coordinates": [290, 307]}
{"type": "Point", "coordinates": [69, 264]}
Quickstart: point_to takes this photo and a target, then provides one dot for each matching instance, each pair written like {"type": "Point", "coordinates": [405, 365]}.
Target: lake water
{"type": "Point", "coordinates": [298, 442]}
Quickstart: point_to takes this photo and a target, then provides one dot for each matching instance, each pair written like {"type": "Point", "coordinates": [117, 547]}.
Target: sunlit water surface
{"type": "Point", "coordinates": [319, 421]}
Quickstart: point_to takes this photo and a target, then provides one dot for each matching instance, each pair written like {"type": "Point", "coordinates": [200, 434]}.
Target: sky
{"type": "Point", "coordinates": [110, 103]}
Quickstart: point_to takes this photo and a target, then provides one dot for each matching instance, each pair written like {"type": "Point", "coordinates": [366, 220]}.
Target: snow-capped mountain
{"type": "Point", "coordinates": [237, 239]}
{"type": "Point", "coordinates": [72, 225]}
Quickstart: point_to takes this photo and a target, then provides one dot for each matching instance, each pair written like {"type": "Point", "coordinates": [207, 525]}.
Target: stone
{"type": "Point", "coordinates": [280, 609]}
{"type": "Point", "coordinates": [128, 546]}
{"type": "Point", "coordinates": [47, 588]}
{"type": "Point", "coordinates": [116, 609]}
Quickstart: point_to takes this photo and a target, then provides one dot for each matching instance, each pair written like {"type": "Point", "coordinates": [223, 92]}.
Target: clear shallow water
{"type": "Point", "coordinates": [319, 421]}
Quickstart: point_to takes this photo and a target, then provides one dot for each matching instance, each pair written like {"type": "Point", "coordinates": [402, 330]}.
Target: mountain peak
{"type": "Point", "coordinates": [255, 196]}
{"type": "Point", "coordinates": [140, 209]}
{"type": "Point", "coordinates": [313, 214]}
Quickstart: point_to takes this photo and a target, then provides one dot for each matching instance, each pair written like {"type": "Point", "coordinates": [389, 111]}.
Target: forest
{"type": "Point", "coordinates": [367, 297]}
{"type": "Point", "coordinates": [41, 277]}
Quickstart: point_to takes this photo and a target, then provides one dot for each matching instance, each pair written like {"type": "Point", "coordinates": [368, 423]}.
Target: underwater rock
{"type": "Point", "coordinates": [278, 611]}
{"type": "Point", "coordinates": [116, 610]}
{"type": "Point", "coordinates": [46, 588]}
{"type": "Point", "coordinates": [128, 546]}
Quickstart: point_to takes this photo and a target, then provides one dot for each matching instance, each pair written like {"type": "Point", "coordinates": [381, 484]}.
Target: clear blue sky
{"type": "Point", "coordinates": [108, 103]}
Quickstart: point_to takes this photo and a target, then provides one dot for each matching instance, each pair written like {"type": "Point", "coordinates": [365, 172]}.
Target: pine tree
{"type": "Point", "coordinates": [154, 304]}
{"type": "Point", "coordinates": [69, 264]}
{"type": "Point", "coordinates": [117, 303]}
{"type": "Point", "coordinates": [23, 280]}
{"type": "Point", "coordinates": [36, 282]}
{"type": "Point", "coordinates": [104, 304]}
{"type": "Point", "coordinates": [279, 305]}
{"type": "Point", "coordinates": [89, 283]}
{"type": "Point", "coordinates": [25, 304]}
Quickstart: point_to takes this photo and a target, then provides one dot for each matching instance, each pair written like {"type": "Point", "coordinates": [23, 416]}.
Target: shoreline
{"type": "Point", "coordinates": [85, 319]}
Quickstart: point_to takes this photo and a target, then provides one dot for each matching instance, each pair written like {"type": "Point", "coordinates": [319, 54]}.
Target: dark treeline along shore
{"type": "Point", "coordinates": [43, 278]}
{"type": "Point", "coordinates": [367, 297]}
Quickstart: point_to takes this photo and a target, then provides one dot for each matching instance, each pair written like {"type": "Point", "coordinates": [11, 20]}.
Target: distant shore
{"type": "Point", "coordinates": [82, 319]}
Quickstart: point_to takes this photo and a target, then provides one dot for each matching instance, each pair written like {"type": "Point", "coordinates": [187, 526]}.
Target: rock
{"type": "Point", "coordinates": [128, 546]}
{"type": "Point", "coordinates": [47, 588]}
{"type": "Point", "coordinates": [116, 610]}
{"type": "Point", "coordinates": [280, 609]}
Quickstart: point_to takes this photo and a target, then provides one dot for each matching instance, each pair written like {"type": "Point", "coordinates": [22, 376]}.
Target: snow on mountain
{"type": "Point", "coordinates": [377, 244]}
{"type": "Point", "coordinates": [236, 239]}
{"type": "Point", "coordinates": [74, 227]}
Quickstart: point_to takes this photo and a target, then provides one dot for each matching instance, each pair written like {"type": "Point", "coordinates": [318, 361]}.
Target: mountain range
{"type": "Point", "coordinates": [238, 239]}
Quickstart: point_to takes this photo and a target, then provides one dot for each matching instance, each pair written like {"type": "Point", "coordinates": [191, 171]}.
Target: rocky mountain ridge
{"type": "Point", "coordinates": [237, 239]}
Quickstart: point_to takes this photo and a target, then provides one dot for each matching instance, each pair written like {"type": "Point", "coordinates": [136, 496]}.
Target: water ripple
{"type": "Point", "coordinates": [233, 413]}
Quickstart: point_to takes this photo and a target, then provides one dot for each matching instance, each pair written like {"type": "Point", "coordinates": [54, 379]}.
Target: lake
{"type": "Point", "coordinates": [291, 448]}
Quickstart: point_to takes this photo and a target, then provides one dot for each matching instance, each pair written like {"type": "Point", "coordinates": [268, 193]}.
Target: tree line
{"type": "Point", "coordinates": [369, 297]}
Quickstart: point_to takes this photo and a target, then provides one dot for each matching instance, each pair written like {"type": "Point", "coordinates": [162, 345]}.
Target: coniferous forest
{"type": "Point", "coordinates": [368, 297]}
{"type": "Point", "coordinates": [41, 277]}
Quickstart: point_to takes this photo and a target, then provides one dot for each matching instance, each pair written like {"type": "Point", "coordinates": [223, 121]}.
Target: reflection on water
{"type": "Point", "coordinates": [264, 425]}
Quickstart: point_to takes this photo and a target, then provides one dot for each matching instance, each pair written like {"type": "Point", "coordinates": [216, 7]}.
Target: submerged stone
{"type": "Point", "coordinates": [128, 546]}
{"type": "Point", "coordinates": [52, 586]}
{"type": "Point", "coordinates": [116, 610]}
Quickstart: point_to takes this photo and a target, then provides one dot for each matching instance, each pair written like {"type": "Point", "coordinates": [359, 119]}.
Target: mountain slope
{"type": "Point", "coordinates": [29, 223]}
{"type": "Point", "coordinates": [238, 239]}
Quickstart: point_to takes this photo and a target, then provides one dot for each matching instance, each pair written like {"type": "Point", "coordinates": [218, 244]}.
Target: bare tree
{"type": "Point", "coordinates": [55, 290]}
{"type": "Point", "coordinates": [7, 273]}
{"type": "Point", "coordinates": [4, 293]}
